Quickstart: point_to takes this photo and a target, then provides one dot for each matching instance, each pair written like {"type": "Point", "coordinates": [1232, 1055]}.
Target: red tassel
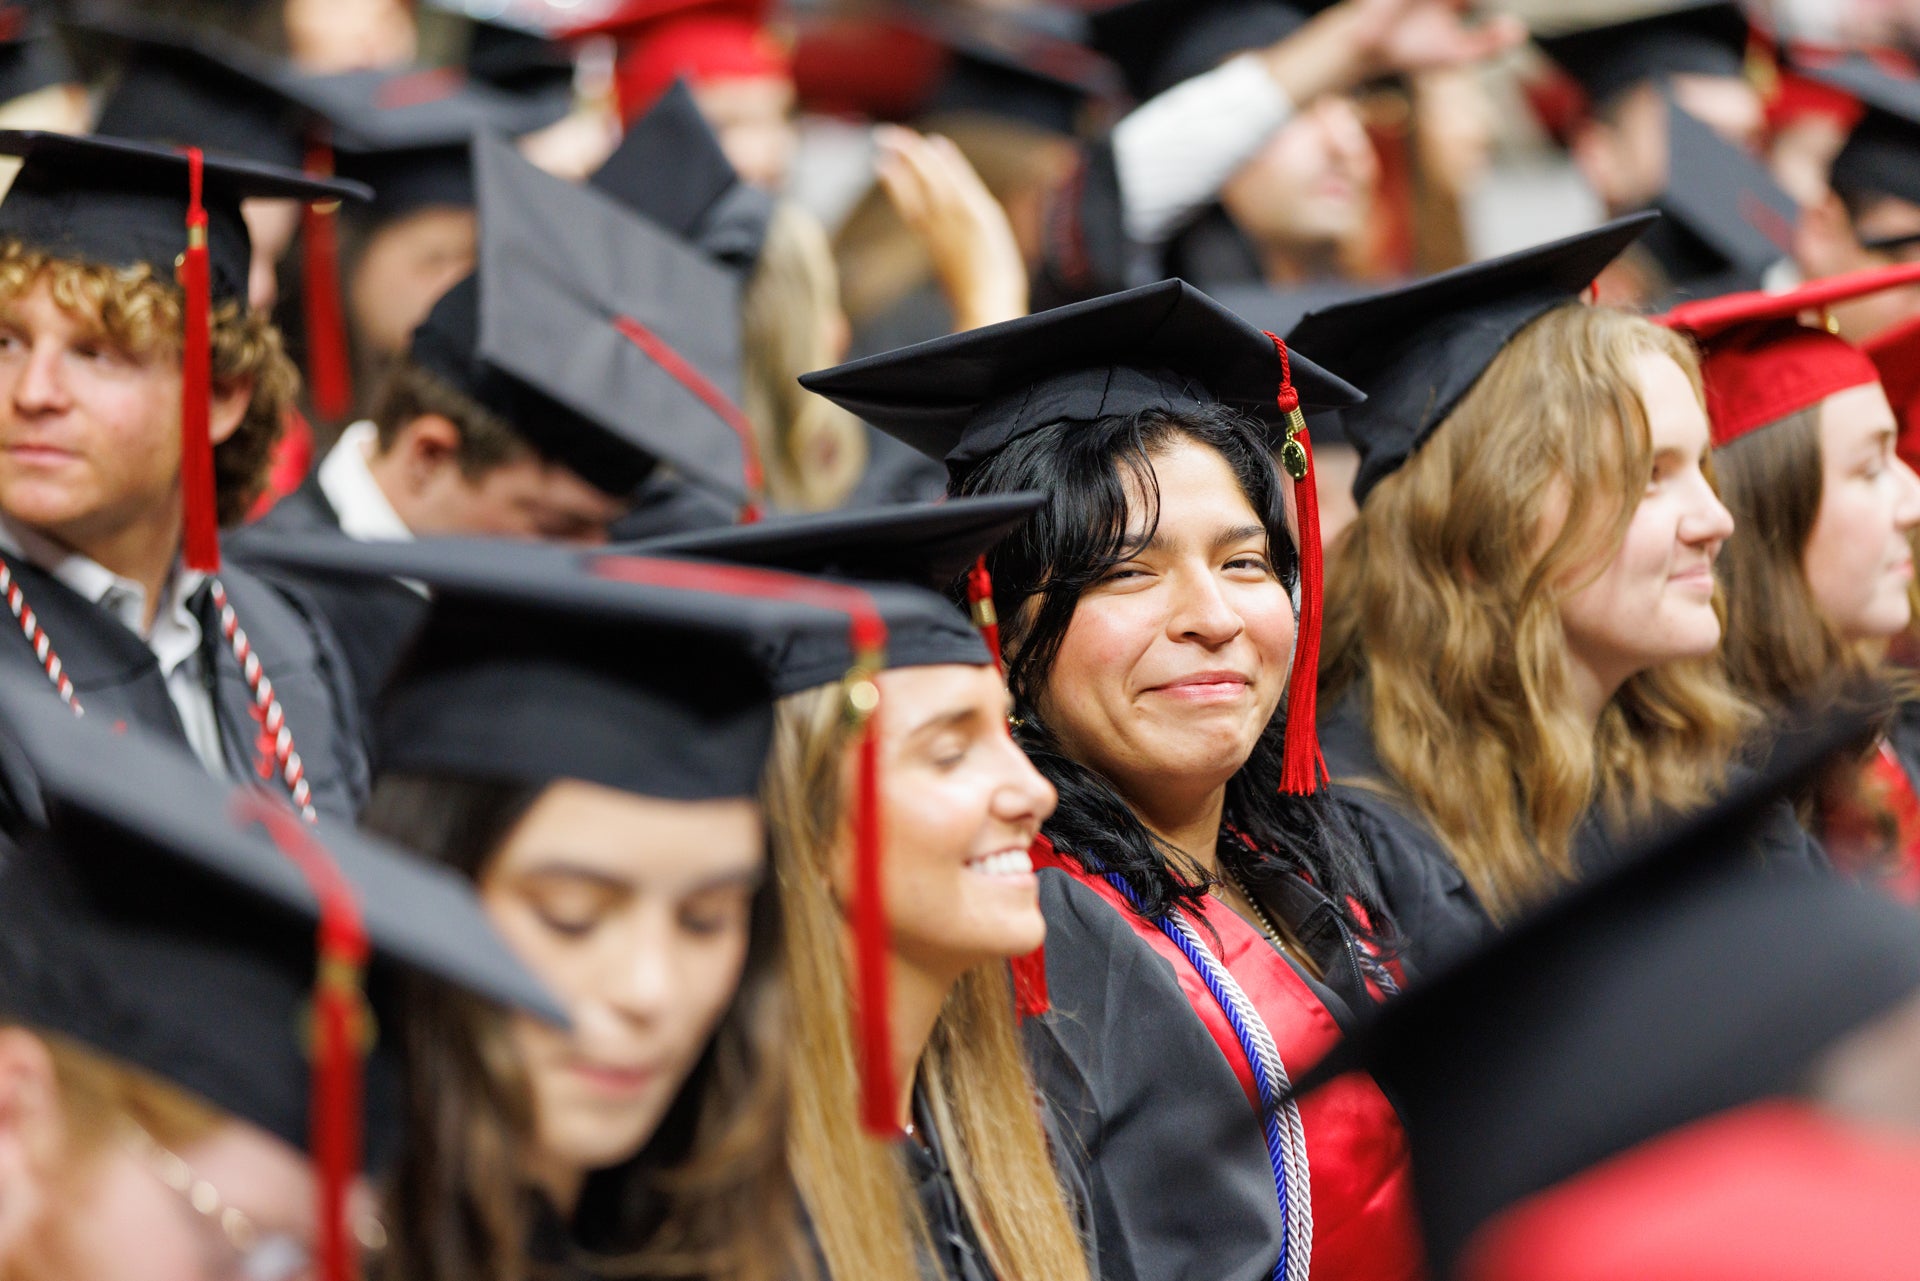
{"type": "Point", "coordinates": [1301, 765]}
{"type": "Point", "coordinates": [867, 915]}
{"type": "Point", "coordinates": [681, 370]}
{"type": "Point", "coordinates": [329, 371]}
{"type": "Point", "coordinates": [980, 602]}
{"type": "Point", "coordinates": [340, 1034]}
{"type": "Point", "coordinates": [202, 535]}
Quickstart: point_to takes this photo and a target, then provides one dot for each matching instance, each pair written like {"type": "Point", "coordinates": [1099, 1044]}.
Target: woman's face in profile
{"type": "Point", "coordinates": [1174, 663]}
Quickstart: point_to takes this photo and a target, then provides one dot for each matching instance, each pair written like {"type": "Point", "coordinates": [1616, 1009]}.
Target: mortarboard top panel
{"type": "Point", "coordinates": [1882, 153]}
{"type": "Point", "coordinates": [1700, 37]}
{"type": "Point", "coordinates": [186, 86]}
{"type": "Point", "coordinates": [1728, 204]}
{"type": "Point", "coordinates": [1681, 981]}
{"type": "Point", "coordinates": [112, 200]}
{"type": "Point", "coordinates": [1416, 349]}
{"type": "Point", "coordinates": [1008, 66]}
{"type": "Point", "coordinates": [1277, 311]}
{"type": "Point", "coordinates": [1159, 43]}
{"type": "Point", "coordinates": [633, 334]}
{"type": "Point", "coordinates": [541, 662]}
{"type": "Point", "coordinates": [670, 167]}
{"type": "Point", "coordinates": [1165, 346]}
{"type": "Point", "coordinates": [156, 923]}
{"type": "Point", "coordinates": [924, 545]}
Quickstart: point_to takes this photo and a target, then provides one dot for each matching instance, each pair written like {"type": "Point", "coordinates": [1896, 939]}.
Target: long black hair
{"type": "Point", "coordinates": [1039, 574]}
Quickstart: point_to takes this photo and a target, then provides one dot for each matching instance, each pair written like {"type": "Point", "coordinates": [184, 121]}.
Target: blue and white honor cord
{"type": "Point", "coordinates": [1285, 1135]}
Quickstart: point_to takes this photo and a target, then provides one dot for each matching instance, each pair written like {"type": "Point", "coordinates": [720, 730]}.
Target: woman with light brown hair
{"type": "Point", "coordinates": [1522, 620]}
{"type": "Point", "coordinates": [1819, 581]}
{"type": "Point", "coordinates": [946, 1168]}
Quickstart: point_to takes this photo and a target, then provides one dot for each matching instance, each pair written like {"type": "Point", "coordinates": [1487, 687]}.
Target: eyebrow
{"type": "Point", "coordinates": [1224, 538]}
{"type": "Point", "coordinates": [560, 869]}
{"type": "Point", "coordinates": [938, 722]}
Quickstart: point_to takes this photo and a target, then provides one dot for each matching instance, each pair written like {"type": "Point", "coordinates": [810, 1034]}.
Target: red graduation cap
{"type": "Point", "coordinates": [1895, 353]}
{"type": "Point", "coordinates": [1761, 363]}
{"type": "Point", "coordinates": [665, 40]}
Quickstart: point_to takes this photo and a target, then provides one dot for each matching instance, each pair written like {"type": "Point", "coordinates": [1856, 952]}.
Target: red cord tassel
{"type": "Point", "coordinates": [341, 1031]}
{"type": "Point", "coordinates": [980, 602]}
{"type": "Point", "coordinates": [1301, 765]}
{"type": "Point", "coordinates": [329, 371]}
{"type": "Point", "coordinates": [682, 371]}
{"type": "Point", "coordinates": [202, 535]}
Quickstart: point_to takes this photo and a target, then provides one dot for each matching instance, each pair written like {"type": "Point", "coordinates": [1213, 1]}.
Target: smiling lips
{"type": "Point", "coordinates": [1206, 687]}
{"type": "Point", "coordinates": [613, 1080]}
{"type": "Point", "coordinates": [1014, 862]}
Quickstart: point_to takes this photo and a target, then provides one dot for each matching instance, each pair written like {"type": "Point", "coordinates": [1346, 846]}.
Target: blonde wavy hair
{"type": "Point", "coordinates": [138, 311]}
{"type": "Point", "coordinates": [1443, 615]}
{"type": "Point", "coordinates": [814, 451]}
{"type": "Point", "coordinates": [864, 1211]}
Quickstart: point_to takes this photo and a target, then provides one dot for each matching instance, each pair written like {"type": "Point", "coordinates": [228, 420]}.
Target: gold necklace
{"type": "Point", "coordinates": [1261, 918]}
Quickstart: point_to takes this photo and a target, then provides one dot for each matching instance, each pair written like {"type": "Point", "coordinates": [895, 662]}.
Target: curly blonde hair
{"type": "Point", "coordinates": [1443, 615]}
{"type": "Point", "coordinates": [142, 313]}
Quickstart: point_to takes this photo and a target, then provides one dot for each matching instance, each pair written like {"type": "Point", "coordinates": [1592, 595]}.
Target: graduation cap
{"type": "Point", "coordinates": [667, 40]}
{"type": "Point", "coordinates": [1164, 346]}
{"type": "Point", "coordinates": [128, 204]}
{"type": "Point", "coordinates": [1007, 66]}
{"type": "Point", "coordinates": [1417, 349]}
{"type": "Point", "coordinates": [1728, 221]}
{"type": "Point", "coordinates": [1702, 37]}
{"type": "Point", "coordinates": [1277, 310]}
{"type": "Point", "coordinates": [187, 86]}
{"type": "Point", "coordinates": [645, 674]}
{"type": "Point", "coordinates": [522, 60]}
{"type": "Point", "coordinates": [669, 166]}
{"type": "Point", "coordinates": [1682, 982]}
{"type": "Point", "coordinates": [1882, 153]}
{"type": "Point", "coordinates": [31, 55]}
{"type": "Point", "coordinates": [1895, 352]}
{"type": "Point", "coordinates": [199, 932]}
{"type": "Point", "coordinates": [1759, 363]}
{"type": "Point", "coordinates": [604, 340]}
{"type": "Point", "coordinates": [1159, 43]}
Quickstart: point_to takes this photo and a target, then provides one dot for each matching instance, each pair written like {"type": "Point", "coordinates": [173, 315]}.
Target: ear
{"type": "Point", "coordinates": [1823, 242]}
{"type": "Point", "coordinates": [424, 448]}
{"type": "Point", "coordinates": [229, 408]}
{"type": "Point", "coordinates": [31, 1133]}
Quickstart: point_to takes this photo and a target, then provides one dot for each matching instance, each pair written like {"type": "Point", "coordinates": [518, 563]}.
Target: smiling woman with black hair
{"type": "Point", "coordinates": [1207, 920]}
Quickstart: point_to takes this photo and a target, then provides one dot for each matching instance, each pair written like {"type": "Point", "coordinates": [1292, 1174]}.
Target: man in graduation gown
{"type": "Point", "coordinates": [119, 452]}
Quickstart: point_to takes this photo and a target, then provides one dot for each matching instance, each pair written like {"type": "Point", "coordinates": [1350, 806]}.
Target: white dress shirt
{"type": "Point", "coordinates": [174, 638]}
{"type": "Point", "coordinates": [364, 510]}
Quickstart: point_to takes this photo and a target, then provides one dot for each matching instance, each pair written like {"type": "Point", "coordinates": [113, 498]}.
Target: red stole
{"type": "Point", "coordinates": [1363, 1213]}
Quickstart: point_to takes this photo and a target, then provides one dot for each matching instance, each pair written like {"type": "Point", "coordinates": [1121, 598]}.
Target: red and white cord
{"type": "Point", "coordinates": [275, 744]}
{"type": "Point", "coordinates": [37, 638]}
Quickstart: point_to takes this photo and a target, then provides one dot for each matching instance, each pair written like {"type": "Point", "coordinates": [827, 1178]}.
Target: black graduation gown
{"type": "Point", "coordinates": [1178, 1177]}
{"type": "Point", "coordinates": [118, 680]}
{"type": "Point", "coordinates": [373, 620]}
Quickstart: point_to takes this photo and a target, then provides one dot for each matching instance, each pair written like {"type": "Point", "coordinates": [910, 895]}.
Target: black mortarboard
{"type": "Point", "coordinates": [186, 86]}
{"type": "Point", "coordinates": [1727, 222]}
{"type": "Point", "coordinates": [158, 923]}
{"type": "Point", "coordinates": [606, 341]}
{"type": "Point", "coordinates": [669, 166]}
{"type": "Point", "coordinates": [1682, 981]}
{"type": "Point", "coordinates": [1700, 37]}
{"type": "Point", "coordinates": [1416, 349]}
{"type": "Point", "coordinates": [406, 133]}
{"type": "Point", "coordinates": [1005, 66]}
{"type": "Point", "coordinates": [924, 545]}
{"type": "Point", "coordinates": [1159, 43]}
{"type": "Point", "coordinates": [1277, 310]}
{"type": "Point", "coordinates": [519, 59]}
{"type": "Point", "coordinates": [1162, 346]}
{"type": "Point", "coordinates": [1882, 154]}
{"type": "Point", "coordinates": [540, 662]}
{"type": "Point", "coordinates": [31, 55]}
{"type": "Point", "coordinates": [124, 203]}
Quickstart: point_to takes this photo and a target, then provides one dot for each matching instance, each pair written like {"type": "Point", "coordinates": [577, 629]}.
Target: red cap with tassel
{"type": "Point", "coordinates": [1302, 767]}
{"type": "Point", "coordinates": [340, 1035]}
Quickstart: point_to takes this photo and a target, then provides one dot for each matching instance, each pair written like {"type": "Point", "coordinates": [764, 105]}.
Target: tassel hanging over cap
{"type": "Point", "coordinates": [329, 371]}
{"type": "Point", "coordinates": [1301, 766]}
{"type": "Point", "coordinates": [202, 535]}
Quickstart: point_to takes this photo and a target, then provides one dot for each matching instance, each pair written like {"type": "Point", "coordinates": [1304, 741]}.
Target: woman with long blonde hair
{"type": "Point", "coordinates": [973, 1193]}
{"type": "Point", "coordinates": [1522, 621]}
{"type": "Point", "coordinates": [1819, 581]}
